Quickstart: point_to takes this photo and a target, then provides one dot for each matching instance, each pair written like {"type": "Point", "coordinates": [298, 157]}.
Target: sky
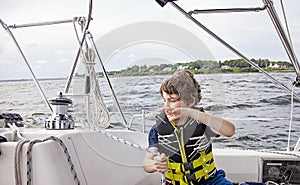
{"type": "Point", "coordinates": [130, 31]}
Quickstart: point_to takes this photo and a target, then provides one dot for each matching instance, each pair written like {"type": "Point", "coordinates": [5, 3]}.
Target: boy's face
{"type": "Point", "coordinates": [172, 101]}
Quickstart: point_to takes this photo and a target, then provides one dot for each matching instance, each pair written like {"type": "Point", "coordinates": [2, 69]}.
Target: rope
{"type": "Point", "coordinates": [291, 118]}
{"type": "Point", "coordinates": [17, 164]}
{"type": "Point", "coordinates": [88, 59]}
{"type": "Point", "coordinates": [101, 115]}
{"type": "Point", "coordinates": [29, 160]}
{"type": "Point", "coordinates": [65, 149]}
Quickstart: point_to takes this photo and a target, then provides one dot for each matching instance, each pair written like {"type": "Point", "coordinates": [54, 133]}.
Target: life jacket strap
{"type": "Point", "coordinates": [205, 171]}
{"type": "Point", "coordinates": [180, 167]}
{"type": "Point", "coordinates": [185, 179]}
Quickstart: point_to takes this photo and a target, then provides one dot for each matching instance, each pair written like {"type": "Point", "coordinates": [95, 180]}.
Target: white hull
{"type": "Point", "coordinates": [100, 159]}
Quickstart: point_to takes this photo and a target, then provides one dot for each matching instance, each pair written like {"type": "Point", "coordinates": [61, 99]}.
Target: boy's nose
{"type": "Point", "coordinates": [167, 104]}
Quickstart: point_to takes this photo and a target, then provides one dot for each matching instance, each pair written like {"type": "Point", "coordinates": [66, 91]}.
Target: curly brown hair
{"type": "Point", "coordinates": [183, 84]}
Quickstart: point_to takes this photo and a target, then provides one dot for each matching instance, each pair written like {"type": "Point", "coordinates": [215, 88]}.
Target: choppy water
{"type": "Point", "coordinates": [259, 108]}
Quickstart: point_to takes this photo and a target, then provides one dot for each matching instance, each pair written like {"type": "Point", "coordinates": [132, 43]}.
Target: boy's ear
{"type": "Point", "coordinates": [193, 102]}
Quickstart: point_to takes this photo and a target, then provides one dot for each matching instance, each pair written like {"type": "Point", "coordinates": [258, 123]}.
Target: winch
{"type": "Point", "coordinates": [60, 119]}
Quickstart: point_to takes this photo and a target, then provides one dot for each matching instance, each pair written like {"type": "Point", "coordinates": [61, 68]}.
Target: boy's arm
{"type": "Point", "coordinates": [218, 125]}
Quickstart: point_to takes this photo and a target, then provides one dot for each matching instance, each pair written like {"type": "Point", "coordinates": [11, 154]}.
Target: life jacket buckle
{"type": "Point", "coordinates": [191, 177]}
{"type": "Point", "coordinates": [188, 166]}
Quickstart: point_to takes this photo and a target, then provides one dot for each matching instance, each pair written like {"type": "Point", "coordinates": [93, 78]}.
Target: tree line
{"type": "Point", "coordinates": [206, 66]}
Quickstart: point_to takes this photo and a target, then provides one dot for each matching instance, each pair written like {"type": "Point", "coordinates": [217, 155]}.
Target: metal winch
{"type": "Point", "coordinates": [60, 119]}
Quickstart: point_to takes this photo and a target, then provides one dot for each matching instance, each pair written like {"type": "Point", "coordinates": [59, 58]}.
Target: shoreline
{"type": "Point", "coordinates": [114, 74]}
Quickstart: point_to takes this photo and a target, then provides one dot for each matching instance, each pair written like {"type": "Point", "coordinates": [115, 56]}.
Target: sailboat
{"type": "Point", "coordinates": [63, 151]}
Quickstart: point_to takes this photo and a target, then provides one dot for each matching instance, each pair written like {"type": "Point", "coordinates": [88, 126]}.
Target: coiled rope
{"type": "Point", "coordinates": [101, 115]}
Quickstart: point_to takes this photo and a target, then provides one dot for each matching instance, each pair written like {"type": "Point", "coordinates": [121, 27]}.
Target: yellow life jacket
{"type": "Point", "coordinates": [189, 151]}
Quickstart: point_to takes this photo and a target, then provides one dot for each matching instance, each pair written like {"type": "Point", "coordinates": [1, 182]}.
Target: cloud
{"type": "Point", "coordinates": [131, 57]}
{"type": "Point", "coordinates": [64, 60]}
{"type": "Point", "coordinates": [41, 62]}
{"type": "Point", "coordinates": [58, 43]}
{"type": "Point", "coordinates": [6, 62]}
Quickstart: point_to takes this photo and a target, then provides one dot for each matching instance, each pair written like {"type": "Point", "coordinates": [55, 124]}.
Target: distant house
{"type": "Point", "coordinates": [182, 67]}
{"type": "Point", "coordinates": [275, 66]}
{"type": "Point", "coordinates": [167, 69]}
{"type": "Point", "coordinates": [225, 67]}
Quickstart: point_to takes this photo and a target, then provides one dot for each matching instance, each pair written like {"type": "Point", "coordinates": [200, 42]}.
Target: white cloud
{"type": "Point", "coordinates": [63, 60]}
{"type": "Point", "coordinates": [6, 62]}
{"type": "Point", "coordinates": [131, 57]}
{"type": "Point", "coordinates": [60, 52]}
{"type": "Point", "coordinates": [58, 43]}
{"type": "Point", "coordinates": [41, 62]}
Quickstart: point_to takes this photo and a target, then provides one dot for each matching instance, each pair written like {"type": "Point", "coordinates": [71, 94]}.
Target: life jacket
{"type": "Point", "coordinates": [189, 151]}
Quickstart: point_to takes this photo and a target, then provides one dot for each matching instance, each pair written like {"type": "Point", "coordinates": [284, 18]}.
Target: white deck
{"type": "Point", "coordinates": [99, 159]}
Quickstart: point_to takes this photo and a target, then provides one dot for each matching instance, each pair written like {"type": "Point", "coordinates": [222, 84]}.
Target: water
{"type": "Point", "coordinates": [259, 108]}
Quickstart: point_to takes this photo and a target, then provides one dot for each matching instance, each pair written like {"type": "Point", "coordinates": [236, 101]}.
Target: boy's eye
{"type": "Point", "coordinates": [175, 100]}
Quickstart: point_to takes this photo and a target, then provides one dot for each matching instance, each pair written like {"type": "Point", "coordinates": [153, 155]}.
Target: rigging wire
{"type": "Point", "coordinates": [41, 23]}
{"type": "Point", "coordinates": [284, 38]}
{"type": "Point", "coordinates": [108, 80]}
{"type": "Point", "coordinates": [286, 23]}
{"type": "Point", "coordinates": [292, 94]}
{"type": "Point", "coordinates": [69, 80]}
{"type": "Point", "coordinates": [291, 119]}
{"type": "Point", "coordinates": [27, 64]}
{"type": "Point", "coordinates": [187, 15]}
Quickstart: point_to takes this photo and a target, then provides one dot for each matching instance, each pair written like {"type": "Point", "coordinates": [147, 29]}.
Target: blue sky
{"type": "Point", "coordinates": [123, 30]}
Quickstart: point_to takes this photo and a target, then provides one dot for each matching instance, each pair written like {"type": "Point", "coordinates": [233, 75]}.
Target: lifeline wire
{"type": "Point", "coordinates": [126, 142]}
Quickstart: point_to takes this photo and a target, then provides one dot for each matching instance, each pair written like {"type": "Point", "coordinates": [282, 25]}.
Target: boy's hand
{"type": "Point", "coordinates": [179, 113]}
{"type": "Point", "coordinates": [161, 163]}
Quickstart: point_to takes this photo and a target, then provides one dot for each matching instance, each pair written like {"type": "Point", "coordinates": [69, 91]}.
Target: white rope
{"type": "Point", "coordinates": [100, 116]}
{"type": "Point", "coordinates": [291, 118]}
{"type": "Point", "coordinates": [17, 161]}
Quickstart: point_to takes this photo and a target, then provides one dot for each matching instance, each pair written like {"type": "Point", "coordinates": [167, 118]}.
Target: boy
{"type": "Point", "coordinates": [182, 135]}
